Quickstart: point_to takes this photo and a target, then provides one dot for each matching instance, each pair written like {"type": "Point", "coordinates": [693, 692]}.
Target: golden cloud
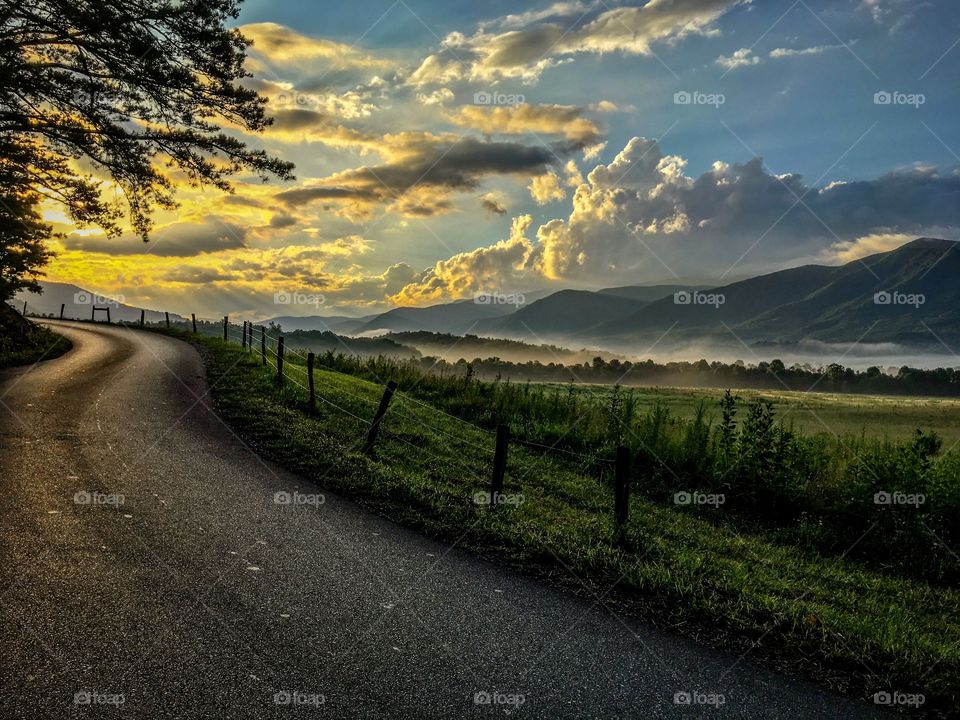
{"type": "Point", "coordinates": [280, 44]}
{"type": "Point", "coordinates": [565, 120]}
{"type": "Point", "coordinates": [546, 188]}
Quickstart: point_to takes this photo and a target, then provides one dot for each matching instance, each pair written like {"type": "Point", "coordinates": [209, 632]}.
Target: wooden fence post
{"type": "Point", "coordinates": [193, 318]}
{"type": "Point", "coordinates": [225, 320]}
{"type": "Point", "coordinates": [621, 486]}
{"type": "Point", "coordinates": [93, 312]}
{"type": "Point", "coordinates": [108, 314]}
{"type": "Point", "coordinates": [142, 313]}
{"type": "Point", "coordinates": [499, 463]}
{"type": "Point", "coordinates": [381, 411]}
{"type": "Point", "coordinates": [263, 344]}
{"type": "Point", "coordinates": [243, 337]}
{"type": "Point", "coordinates": [167, 316]}
{"type": "Point", "coordinates": [24, 308]}
{"type": "Point", "coordinates": [280, 359]}
{"type": "Point", "coordinates": [313, 395]}
{"type": "Point", "coordinates": [63, 307]}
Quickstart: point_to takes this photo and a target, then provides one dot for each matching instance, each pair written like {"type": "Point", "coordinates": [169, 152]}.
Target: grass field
{"type": "Point", "coordinates": [852, 628]}
{"type": "Point", "coordinates": [896, 418]}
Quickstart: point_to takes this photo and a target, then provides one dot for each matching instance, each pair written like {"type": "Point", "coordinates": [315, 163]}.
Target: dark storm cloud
{"type": "Point", "coordinates": [428, 165]}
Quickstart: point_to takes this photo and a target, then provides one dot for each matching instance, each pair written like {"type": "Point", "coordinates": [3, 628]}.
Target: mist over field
{"type": "Point", "coordinates": [858, 356]}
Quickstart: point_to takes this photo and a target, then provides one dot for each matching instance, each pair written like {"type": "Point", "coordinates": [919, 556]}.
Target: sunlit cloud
{"type": "Point", "coordinates": [525, 53]}
{"type": "Point", "coordinates": [546, 188]}
{"type": "Point", "coordinates": [564, 120]}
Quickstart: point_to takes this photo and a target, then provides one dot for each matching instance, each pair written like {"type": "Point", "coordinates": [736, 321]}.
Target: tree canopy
{"type": "Point", "coordinates": [128, 96]}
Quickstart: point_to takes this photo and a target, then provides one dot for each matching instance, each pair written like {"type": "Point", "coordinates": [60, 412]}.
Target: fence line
{"type": "Point", "coordinates": [274, 354]}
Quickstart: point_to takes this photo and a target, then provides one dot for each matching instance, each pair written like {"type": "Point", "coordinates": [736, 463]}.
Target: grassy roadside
{"type": "Point", "coordinates": [23, 342]}
{"type": "Point", "coordinates": [856, 631]}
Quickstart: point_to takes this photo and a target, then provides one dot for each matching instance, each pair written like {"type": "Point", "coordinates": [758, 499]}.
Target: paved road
{"type": "Point", "coordinates": [200, 597]}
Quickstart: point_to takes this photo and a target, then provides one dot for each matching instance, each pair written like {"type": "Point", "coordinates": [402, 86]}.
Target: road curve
{"type": "Point", "coordinates": [200, 597]}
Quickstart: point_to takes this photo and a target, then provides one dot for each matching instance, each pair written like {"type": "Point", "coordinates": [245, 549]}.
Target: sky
{"type": "Point", "coordinates": [450, 148]}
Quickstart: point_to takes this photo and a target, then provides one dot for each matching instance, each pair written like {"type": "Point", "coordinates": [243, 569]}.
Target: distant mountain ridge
{"type": "Point", "coordinates": [865, 300]}
{"type": "Point", "coordinates": [908, 296]}
{"type": "Point", "coordinates": [78, 304]}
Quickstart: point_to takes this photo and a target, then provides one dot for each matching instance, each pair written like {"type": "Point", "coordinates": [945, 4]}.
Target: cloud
{"type": "Point", "coordinates": [875, 9]}
{"type": "Point", "coordinates": [425, 169]}
{"type": "Point", "coordinates": [295, 71]}
{"type": "Point", "coordinates": [640, 218]}
{"type": "Point", "coordinates": [305, 125]}
{"type": "Point", "coordinates": [439, 97]}
{"type": "Point", "coordinates": [574, 177]}
{"type": "Point", "coordinates": [177, 240]}
{"type": "Point", "coordinates": [849, 250]}
{"type": "Point", "coordinates": [880, 10]}
{"type": "Point", "coordinates": [564, 120]}
{"type": "Point", "coordinates": [189, 275]}
{"type": "Point", "coordinates": [546, 188]}
{"type": "Point", "coordinates": [591, 152]}
{"type": "Point", "coordinates": [524, 53]}
{"type": "Point", "coordinates": [243, 201]}
{"type": "Point", "coordinates": [486, 269]}
{"type": "Point", "coordinates": [493, 203]}
{"type": "Point", "coordinates": [282, 220]}
{"type": "Point", "coordinates": [795, 52]}
{"type": "Point", "coordinates": [279, 44]}
{"type": "Point", "coordinates": [605, 106]}
{"type": "Point", "coordinates": [556, 11]}
{"type": "Point", "coordinates": [743, 57]}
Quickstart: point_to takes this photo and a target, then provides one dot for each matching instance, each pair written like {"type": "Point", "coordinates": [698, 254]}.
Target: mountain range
{"type": "Point", "coordinates": [907, 296]}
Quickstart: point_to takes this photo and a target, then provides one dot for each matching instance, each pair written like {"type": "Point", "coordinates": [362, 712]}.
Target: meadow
{"type": "Point", "coordinates": [868, 416]}
{"type": "Point", "coordinates": [797, 567]}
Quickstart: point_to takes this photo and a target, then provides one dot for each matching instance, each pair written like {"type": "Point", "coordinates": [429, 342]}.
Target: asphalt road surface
{"type": "Point", "coordinates": [147, 572]}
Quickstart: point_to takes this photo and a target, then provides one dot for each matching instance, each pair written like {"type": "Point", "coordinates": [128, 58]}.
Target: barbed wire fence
{"type": "Point", "coordinates": [298, 366]}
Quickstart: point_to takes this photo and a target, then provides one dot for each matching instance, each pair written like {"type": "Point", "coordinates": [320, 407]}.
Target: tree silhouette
{"type": "Point", "coordinates": [22, 232]}
{"type": "Point", "coordinates": [123, 95]}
